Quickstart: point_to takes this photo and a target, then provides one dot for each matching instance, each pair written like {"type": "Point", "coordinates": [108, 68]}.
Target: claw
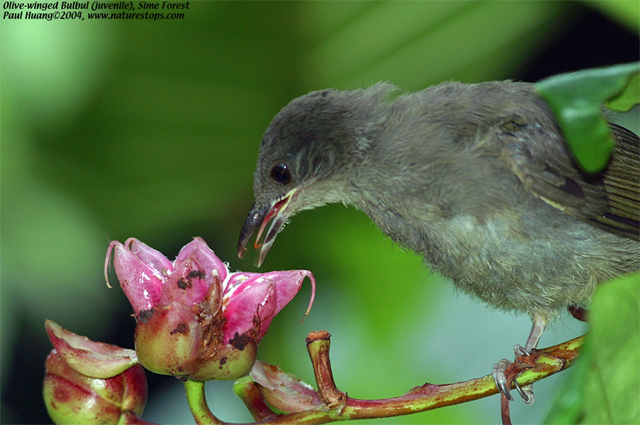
{"type": "Point", "coordinates": [526, 392]}
{"type": "Point", "coordinates": [499, 372]}
{"type": "Point", "coordinates": [500, 377]}
{"type": "Point", "coordinates": [519, 350]}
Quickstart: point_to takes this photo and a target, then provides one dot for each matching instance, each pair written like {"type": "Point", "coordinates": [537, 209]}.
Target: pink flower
{"type": "Point", "coordinates": [195, 319]}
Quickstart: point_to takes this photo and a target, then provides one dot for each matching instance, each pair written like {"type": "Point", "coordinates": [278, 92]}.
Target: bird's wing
{"type": "Point", "coordinates": [609, 199]}
{"type": "Point", "coordinates": [622, 185]}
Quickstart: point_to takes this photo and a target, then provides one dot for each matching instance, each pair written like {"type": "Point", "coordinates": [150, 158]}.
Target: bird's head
{"type": "Point", "coordinates": [306, 157]}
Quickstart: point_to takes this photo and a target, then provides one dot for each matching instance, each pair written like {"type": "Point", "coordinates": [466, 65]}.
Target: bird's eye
{"type": "Point", "coordinates": [281, 174]}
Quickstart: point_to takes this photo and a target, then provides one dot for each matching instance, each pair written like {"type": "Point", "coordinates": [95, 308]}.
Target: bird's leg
{"type": "Point", "coordinates": [499, 369]}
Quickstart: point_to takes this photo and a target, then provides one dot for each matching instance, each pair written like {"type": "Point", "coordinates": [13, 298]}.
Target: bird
{"type": "Point", "coordinates": [476, 178]}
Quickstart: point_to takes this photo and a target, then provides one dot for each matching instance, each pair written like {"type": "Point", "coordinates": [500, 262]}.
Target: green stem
{"type": "Point", "coordinates": [250, 395]}
{"type": "Point", "coordinates": [198, 403]}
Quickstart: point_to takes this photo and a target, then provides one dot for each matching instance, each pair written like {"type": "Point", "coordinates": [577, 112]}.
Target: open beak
{"type": "Point", "coordinates": [263, 214]}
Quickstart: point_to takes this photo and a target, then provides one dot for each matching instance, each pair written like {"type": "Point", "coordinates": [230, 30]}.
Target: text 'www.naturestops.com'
{"type": "Point", "coordinates": [81, 10]}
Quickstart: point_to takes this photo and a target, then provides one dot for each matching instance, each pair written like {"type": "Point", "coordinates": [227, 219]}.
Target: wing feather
{"type": "Point", "coordinates": [609, 199]}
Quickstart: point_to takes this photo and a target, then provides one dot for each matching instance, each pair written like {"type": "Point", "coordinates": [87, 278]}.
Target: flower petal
{"type": "Point", "coordinates": [149, 256]}
{"type": "Point", "coordinates": [187, 284]}
{"type": "Point", "coordinates": [236, 282]}
{"type": "Point", "coordinates": [283, 390]}
{"type": "Point", "coordinates": [250, 311]}
{"type": "Point", "coordinates": [93, 359]}
{"type": "Point", "coordinates": [288, 284]}
{"type": "Point", "coordinates": [205, 257]}
{"type": "Point", "coordinates": [141, 282]}
{"type": "Point", "coordinates": [246, 291]}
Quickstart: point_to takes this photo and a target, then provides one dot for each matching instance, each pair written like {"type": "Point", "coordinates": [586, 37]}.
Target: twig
{"type": "Point", "coordinates": [337, 406]}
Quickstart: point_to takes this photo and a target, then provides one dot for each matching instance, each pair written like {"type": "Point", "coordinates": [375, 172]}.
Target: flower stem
{"type": "Point", "coordinates": [318, 346]}
{"type": "Point", "coordinates": [429, 396]}
{"type": "Point", "coordinates": [198, 403]}
{"type": "Point", "coordinates": [250, 395]}
{"type": "Point", "coordinates": [337, 406]}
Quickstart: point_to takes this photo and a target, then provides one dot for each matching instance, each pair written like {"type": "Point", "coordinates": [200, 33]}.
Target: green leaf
{"type": "Point", "coordinates": [607, 375]}
{"type": "Point", "coordinates": [576, 100]}
{"type": "Point", "coordinates": [612, 353]}
{"type": "Point", "coordinates": [628, 98]}
{"type": "Point", "coordinates": [568, 406]}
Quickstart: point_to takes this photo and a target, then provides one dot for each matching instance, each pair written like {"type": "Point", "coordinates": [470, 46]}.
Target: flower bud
{"type": "Point", "coordinates": [74, 397]}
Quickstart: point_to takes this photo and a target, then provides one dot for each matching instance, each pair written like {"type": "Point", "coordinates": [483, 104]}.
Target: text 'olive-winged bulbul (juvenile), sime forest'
{"type": "Point", "coordinates": [477, 178]}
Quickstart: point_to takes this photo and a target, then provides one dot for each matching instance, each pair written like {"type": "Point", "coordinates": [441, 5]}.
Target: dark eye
{"type": "Point", "coordinates": [281, 174]}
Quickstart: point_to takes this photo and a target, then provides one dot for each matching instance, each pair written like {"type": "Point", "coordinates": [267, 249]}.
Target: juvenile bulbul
{"type": "Point", "coordinates": [477, 178]}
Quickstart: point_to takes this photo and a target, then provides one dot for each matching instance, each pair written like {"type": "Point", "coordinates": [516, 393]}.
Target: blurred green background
{"type": "Point", "coordinates": [119, 128]}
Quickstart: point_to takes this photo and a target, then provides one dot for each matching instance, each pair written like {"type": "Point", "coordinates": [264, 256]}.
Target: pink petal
{"type": "Point", "coordinates": [246, 291]}
{"type": "Point", "coordinates": [205, 258]}
{"type": "Point", "coordinates": [187, 284]}
{"type": "Point", "coordinates": [237, 282]}
{"type": "Point", "coordinates": [288, 284]}
{"type": "Point", "coordinates": [250, 310]}
{"type": "Point", "coordinates": [140, 282]}
{"type": "Point", "coordinates": [149, 256]}
{"type": "Point", "coordinates": [93, 359]}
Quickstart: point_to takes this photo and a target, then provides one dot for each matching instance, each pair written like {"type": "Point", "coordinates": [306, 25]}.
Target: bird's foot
{"type": "Point", "coordinates": [499, 374]}
{"type": "Point", "coordinates": [526, 392]}
{"type": "Point", "coordinates": [520, 351]}
{"type": "Point", "coordinates": [504, 375]}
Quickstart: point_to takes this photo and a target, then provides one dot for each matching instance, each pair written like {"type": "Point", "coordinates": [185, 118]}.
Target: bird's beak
{"type": "Point", "coordinates": [263, 214]}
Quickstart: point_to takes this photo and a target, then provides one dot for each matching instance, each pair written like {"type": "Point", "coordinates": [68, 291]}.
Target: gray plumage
{"type": "Point", "coordinates": [476, 178]}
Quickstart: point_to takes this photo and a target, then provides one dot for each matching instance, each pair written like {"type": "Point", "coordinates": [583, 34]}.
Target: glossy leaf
{"type": "Point", "coordinates": [606, 384]}
{"type": "Point", "coordinates": [576, 100]}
